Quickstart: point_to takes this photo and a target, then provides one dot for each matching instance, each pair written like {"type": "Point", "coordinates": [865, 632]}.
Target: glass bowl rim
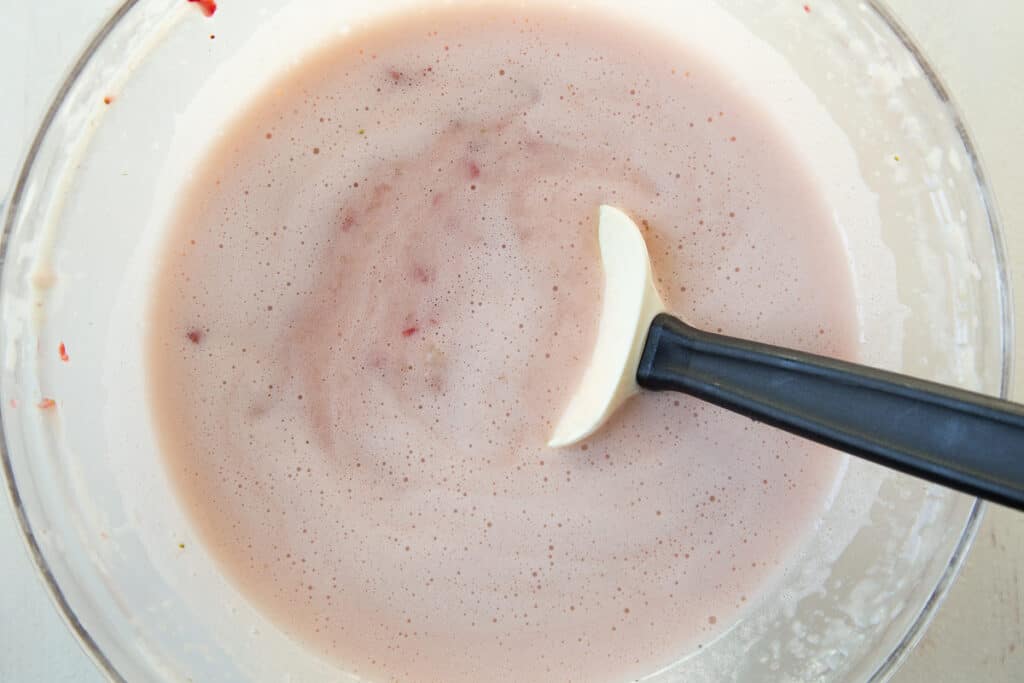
{"type": "Point", "coordinates": [917, 628]}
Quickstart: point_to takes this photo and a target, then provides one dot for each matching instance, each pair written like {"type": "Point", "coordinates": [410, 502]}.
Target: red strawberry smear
{"type": "Point", "coordinates": [421, 274]}
{"type": "Point", "coordinates": [209, 7]}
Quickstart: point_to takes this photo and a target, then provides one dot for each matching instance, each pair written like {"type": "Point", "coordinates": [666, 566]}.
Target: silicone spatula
{"type": "Point", "coordinates": [960, 439]}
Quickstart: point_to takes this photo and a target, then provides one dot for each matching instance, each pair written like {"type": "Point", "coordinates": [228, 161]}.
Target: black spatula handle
{"type": "Point", "coordinates": [967, 441]}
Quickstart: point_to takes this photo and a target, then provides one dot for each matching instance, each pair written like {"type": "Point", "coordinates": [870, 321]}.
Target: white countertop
{"type": "Point", "coordinates": [978, 634]}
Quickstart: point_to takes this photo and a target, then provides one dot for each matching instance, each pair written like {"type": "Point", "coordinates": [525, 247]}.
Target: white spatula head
{"type": "Point", "coordinates": [630, 303]}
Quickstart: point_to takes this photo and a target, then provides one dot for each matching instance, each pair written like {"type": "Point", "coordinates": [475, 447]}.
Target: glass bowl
{"type": "Point", "coordinates": [89, 207]}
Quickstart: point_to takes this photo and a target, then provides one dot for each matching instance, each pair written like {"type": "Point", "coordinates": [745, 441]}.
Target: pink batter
{"type": "Point", "coordinates": [381, 289]}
